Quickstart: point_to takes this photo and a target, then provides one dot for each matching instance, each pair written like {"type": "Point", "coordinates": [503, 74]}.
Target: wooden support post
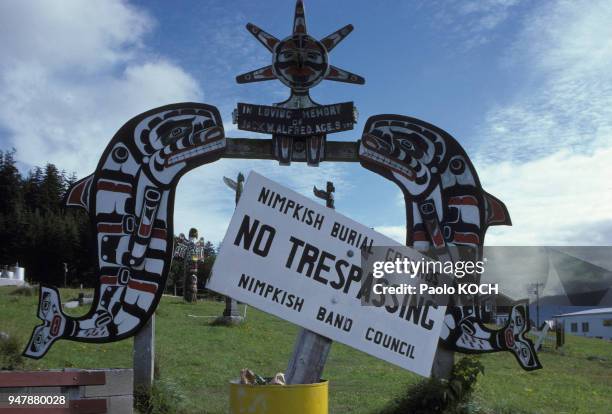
{"type": "Point", "coordinates": [231, 307]}
{"type": "Point", "coordinates": [144, 356]}
{"type": "Point", "coordinates": [309, 357]}
{"type": "Point", "coordinates": [443, 363]}
{"type": "Point", "coordinates": [311, 350]}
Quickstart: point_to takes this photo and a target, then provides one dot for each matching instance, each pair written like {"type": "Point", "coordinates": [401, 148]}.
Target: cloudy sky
{"type": "Point", "coordinates": [526, 87]}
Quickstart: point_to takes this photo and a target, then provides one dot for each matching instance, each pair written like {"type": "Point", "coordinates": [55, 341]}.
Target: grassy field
{"type": "Point", "coordinates": [200, 359]}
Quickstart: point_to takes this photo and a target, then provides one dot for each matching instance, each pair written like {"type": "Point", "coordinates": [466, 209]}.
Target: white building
{"type": "Point", "coordinates": [12, 276]}
{"type": "Point", "coordinates": [593, 322]}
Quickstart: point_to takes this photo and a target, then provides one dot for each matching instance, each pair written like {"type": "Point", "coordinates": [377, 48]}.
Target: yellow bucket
{"type": "Point", "coordinates": [278, 399]}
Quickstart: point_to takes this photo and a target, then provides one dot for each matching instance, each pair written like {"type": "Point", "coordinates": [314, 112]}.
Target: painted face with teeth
{"type": "Point", "coordinates": [177, 142]}
{"type": "Point", "coordinates": [403, 152]}
{"type": "Point", "coordinates": [300, 62]}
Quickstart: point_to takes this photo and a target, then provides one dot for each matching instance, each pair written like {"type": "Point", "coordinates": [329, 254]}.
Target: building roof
{"type": "Point", "coordinates": [586, 312]}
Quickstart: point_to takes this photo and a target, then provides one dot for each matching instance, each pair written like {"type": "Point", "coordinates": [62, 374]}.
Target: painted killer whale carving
{"type": "Point", "coordinates": [130, 200]}
{"type": "Point", "coordinates": [447, 214]}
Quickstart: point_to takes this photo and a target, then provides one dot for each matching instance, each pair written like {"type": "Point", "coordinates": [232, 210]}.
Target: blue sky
{"type": "Point", "coordinates": [524, 86]}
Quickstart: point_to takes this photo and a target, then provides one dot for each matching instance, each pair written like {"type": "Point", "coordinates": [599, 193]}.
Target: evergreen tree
{"type": "Point", "coordinates": [209, 249]}
{"type": "Point", "coordinates": [35, 229]}
{"type": "Point", "coordinates": [32, 189]}
{"type": "Point", "coordinates": [52, 189]}
{"type": "Point", "coordinates": [10, 183]}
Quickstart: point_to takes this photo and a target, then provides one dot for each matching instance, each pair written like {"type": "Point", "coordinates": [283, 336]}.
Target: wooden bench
{"type": "Point", "coordinates": [86, 391]}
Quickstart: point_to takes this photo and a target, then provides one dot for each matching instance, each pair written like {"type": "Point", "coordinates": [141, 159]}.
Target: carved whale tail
{"type": "Point", "coordinates": [513, 337]}
{"type": "Point", "coordinates": [54, 323]}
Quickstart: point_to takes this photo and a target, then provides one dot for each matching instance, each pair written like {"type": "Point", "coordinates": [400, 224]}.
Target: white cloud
{"type": "Point", "coordinates": [560, 199]}
{"type": "Point", "coordinates": [565, 52]}
{"type": "Point", "coordinates": [397, 233]}
{"type": "Point", "coordinates": [70, 34]}
{"type": "Point", "coordinates": [547, 152]}
{"type": "Point", "coordinates": [74, 74]}
{"type": "Point", "coordinates": [473, 21]}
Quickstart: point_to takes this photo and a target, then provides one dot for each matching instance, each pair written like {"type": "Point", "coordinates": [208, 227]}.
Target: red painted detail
{"type": "Point", "coordinates": [469, 238]}
{"type": "Point", "coordinates": [110, 228]}
{"type": "Point", "coordinates": [271, 42]}
{"type": "Point", "coordinates": [463, 200]}
{"type": "Point", "coordinates": [108, 280]}
{"type": "Point", "coordinates": [496, 214]}
{"type": "Point", "coordinates": [115, 187]}
{"type": "Point", "coordinates": [56, 323]}
{"type": "Point", "coordinates": [420, 236]}
{"type": "Point", "coordinates": [76, 194]}
{"type": "Point", "coordinates": [437, 238]}
{"type": "Point", "coordinates": [142, 286]}
{"type": "Point", "coordinates": [267, 72]}
{"type": "Point", "coordinates": [509, 337]}
{"type": "Point", "coordinates": [144, 230]}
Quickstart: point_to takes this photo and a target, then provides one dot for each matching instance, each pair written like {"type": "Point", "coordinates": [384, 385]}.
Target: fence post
{"type": "Point", "coordinates": [144, 356]}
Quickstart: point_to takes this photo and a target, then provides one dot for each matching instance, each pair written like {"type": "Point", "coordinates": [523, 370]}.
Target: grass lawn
{"type": "Point", "coordinates": [200, 359]}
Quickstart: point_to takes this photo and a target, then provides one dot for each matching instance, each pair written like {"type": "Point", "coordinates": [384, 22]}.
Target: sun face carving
{"type": "Point", "coordinates": [300, 61]}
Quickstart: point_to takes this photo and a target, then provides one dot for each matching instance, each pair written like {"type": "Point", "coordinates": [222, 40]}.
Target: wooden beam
{"type": "Point", "coordinates": [261, 149]}
{"type": "Point", "coordinates": [51, 378]}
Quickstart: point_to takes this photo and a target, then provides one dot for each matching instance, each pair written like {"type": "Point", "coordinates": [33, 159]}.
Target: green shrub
{"type": "Point", "coordinates": [165, 398]}
{"type": "Point", "coordinates": [25, 290]}
{"type": "Point", "coordinates": [10, 354]}
{"type": "Point", "coordinates": [441, 396]}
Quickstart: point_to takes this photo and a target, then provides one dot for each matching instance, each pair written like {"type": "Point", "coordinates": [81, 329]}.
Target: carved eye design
{"type": "Point", "coordinates": [176, 132]}
{"type": "Point", "coordinates": [288, 55]}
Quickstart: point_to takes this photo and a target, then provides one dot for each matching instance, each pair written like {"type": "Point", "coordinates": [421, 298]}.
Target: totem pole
{"type": "Point", "coordinates": [231, 314]}
{"type": "Point", "coordinates": [327, 194]}
{"type": "Point", "coordinates": [191, 251]}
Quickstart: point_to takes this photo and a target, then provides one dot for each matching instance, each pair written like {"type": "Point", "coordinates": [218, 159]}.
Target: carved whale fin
{"type": "Point", "coordinates": [55, 323]}
{"type": "Point", "coordinates": [496, 213]}
{"type": "Point", "coordinates": [515, 340]}
{"type": "Point", "coordinates": [78, 195]}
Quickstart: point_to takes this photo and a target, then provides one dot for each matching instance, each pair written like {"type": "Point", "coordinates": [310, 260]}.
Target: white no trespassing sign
{"type": "Point", "coordinates": [283, 254]}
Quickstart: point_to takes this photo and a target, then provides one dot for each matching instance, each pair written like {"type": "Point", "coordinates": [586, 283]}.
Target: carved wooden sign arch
{"type": "Point", "coordinates": [130, 196]}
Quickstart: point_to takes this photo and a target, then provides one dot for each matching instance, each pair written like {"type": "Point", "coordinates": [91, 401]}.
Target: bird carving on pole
{"type": "Point", "coordinates": [327, 194]}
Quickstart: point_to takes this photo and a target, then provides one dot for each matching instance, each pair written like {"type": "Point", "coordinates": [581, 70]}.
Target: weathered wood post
{"type": "Point", "coordinates": [144, 357]}
{"type": "Point", "coordinates": [443, 363]}
{"type": "Point", "coordinates": [311, 350]}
